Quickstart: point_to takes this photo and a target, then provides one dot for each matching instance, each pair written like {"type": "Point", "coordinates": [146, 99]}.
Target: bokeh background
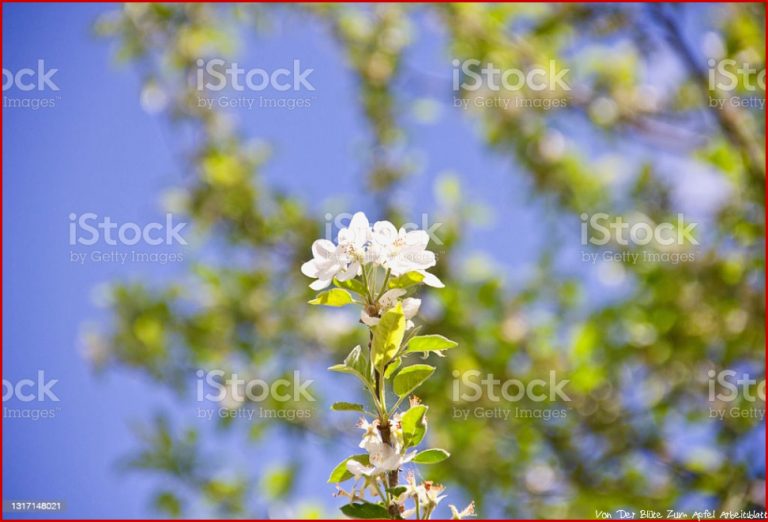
{"type": "Point", "coordinates": [637, 137]}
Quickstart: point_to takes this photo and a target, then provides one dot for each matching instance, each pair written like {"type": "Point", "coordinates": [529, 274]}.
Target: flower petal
{"type": "Point", "coordinates": [431, 280]}
{"type": "Point", "coordinates": [323, 249]}
{"type": "Point", "coordinates": [309, 268]}
{"type": "Point", "coordinates": [320, 284]}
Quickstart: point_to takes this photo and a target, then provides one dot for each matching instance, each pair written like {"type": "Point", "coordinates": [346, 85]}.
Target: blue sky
{"type": "Point", "coordinates": [97, 151]}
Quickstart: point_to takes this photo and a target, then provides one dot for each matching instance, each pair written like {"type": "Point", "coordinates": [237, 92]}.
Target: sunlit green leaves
{"type": "Point", "coordinates": [365, 510]}
{"type": "Point", "coordinates": [388, 335]}
{"type": "Point", "coordinates": [430, 343]}
{"type": "Point", "coordinates": [333, 297]}
{"type": "Point", "coordinates": [406, 280]}
{"type": "Point", "coordinates": [356, 363]}
{"type": "Point", "coordinates": [353, 285]}
{"type": "Point", "coordinates": [410, 378]}
{"type": "Point", "coordinates": [340, 472]}
{"type": "Point", "coordinates": [414, 425]}
{"type": "Point", "coordinates": [392, 367]}
{"type": "Point", "coordinates": [431, 456]}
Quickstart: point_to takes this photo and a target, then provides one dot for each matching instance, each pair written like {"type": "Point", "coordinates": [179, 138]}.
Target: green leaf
{"type": "Point", "coordinates": [365, 510]}
{"type": "Point", "coordinates": [431, 456]}
{"type": "Point", "coordinates": [410, 378]}
{"type": "Point", "coordinates": [347, 406]}
{"type": "Point", "coordinates": [392, 367]}
{"type": "Point", "coordinates": [353, 285]}
{"type": "Point", "coordinates": [340, 473]}
{"type": "Point", "coordinates": [406, 280]}
{"type": "Point", "coordinates": [333, 297]}
{"type": "Point", "coordinates": [430, 343]}
{"type": "Point", "coordinates": [356, 363]}
{"type": "Point", "coordinates": [397, 491]}
{"type": "Point", "coordinates": [388, 335]}
{"type": "Point", "coordinates": [414, 425]}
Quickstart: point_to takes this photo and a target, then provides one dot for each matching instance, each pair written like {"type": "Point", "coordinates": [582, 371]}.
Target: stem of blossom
{"type": "Point", "coordinates": [418, 508]}
{"type": "Point", "coordinates": [367, 287]}
{"type": "Point", "coordinates": [376, 390]}
{"type": "Point", "coordinates": [386, 438]}
{"type": "Point", "coordinates": [384, 284]}
{"type": "Point", "coordinates": [375, 483]}
{"type": "Point", "coordinates": [394, 408]}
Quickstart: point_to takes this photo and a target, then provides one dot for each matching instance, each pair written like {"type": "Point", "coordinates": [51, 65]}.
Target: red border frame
{"type": "Point", "coordinates": [2, 300]}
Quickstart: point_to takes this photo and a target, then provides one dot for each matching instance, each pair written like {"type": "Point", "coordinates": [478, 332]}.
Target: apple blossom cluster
{"type": "Point", "coordinates": [398, 251]}
{"type": "Point", "coordinates": [379, 267]}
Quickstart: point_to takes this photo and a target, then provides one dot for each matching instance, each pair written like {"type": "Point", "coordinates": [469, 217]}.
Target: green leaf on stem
{"type": "Point", "coordinates": [365, 510]}
{"type": "Point", "coordinates": [353, 285]}
{"type": "Point", "coordinates": [347, 406]}
{"type": "Point", "coordinates": [392, 367]}
{"type": "Point", "coordinates": [397, 491]}
{"type": "Point", "coordinates": [388, 335]}
{"type": "Point", "coordinates": [414, 425]}
{"type": "Point", "coordinates": [406, 280]}
{"type": "Point", "coordinates": [340, 472]}
{"type": "Point", "coordinates": [431, 456]}
{"type": "Point", "coordinates": [410, 378]}
{"type": "Point", "coordinates": [430, 343]}
{"type": "Point", "coordinates": [333, 297]}
{"type": "Point", "coordinates": [356, 363]}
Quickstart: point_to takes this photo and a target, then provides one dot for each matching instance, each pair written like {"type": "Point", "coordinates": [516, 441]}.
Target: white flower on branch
{"type": "Point", "coordinates": [388, 301]}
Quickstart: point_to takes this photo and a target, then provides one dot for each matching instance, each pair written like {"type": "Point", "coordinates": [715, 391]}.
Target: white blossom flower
{"type": "Point", "coordinates": [429, 494]}
{"type": "Point", "coordinates": [468, 511]}
{"type": "Point", "coordinates": [358, 469]}
{"type": "Point", "coordinates": [411, 489]}
{"type": "Point", "coordinates": [431, 279]}
{"type": "Point", "coordinates": [352, 244]}
{"type": "Point", "coordinates": [385, 458]}
{"type": "Point", "coordinates": [389, 300]}
{"type": "Point", "coordinates": [342, 261]}
{"type": "Point", "coordinates": [371, 437]}
{"type": "Point", "coordinates": [324, 265]}
{"type": "Point", "coordinates": [402, 251]}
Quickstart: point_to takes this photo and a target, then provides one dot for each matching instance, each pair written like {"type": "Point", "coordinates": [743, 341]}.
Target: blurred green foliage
{"type": "Point", "coordinates": [677, 322]}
